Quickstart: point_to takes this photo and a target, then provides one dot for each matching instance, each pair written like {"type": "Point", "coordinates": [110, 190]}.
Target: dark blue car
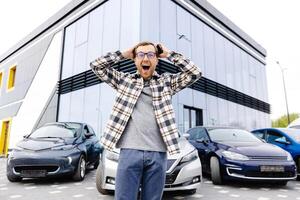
{"type": "Point", "coordinates": [56, 149]}
{"type": "Point", "coordinates": [231, 153]}
{"type": "Point", "coordinates": [286, 138]}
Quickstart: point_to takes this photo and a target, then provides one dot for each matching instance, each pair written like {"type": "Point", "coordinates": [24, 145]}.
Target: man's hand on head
{"type": "Point", "coordinates": [128, 53]}
{"type": "Point", "coordinates": [165, 52]}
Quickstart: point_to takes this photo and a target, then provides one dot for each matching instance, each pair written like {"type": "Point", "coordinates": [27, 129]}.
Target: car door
{"type": "Point", "coordinates": [96, 150]}
{"type": "Point", "coordinates": [272, 136]}
{"type": "Point", "coordinates": [199, 139]}
{"type": "Point", "coordinates": [88, 142]}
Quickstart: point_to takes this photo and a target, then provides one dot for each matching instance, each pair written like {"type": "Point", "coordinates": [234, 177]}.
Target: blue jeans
{"type": "Point", "coordinates": [145, 169]}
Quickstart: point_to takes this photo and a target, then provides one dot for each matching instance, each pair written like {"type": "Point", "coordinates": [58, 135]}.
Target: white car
{"type": "Point", "coordinates": [183, 170]}
{"type": "Point", "coordinates": [294, 124]}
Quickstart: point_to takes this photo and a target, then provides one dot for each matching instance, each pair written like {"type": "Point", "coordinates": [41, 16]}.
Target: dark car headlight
{"type": "Point", "coordinates": [234, 156]}
{"type": "Point", "coordinates": [189, 157]}
{"type": "Point", "coordinates": [64, 147]}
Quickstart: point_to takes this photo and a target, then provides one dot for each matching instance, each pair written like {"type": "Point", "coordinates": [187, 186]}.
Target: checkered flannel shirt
{"type": "Point", "coordinates": [129, 87]}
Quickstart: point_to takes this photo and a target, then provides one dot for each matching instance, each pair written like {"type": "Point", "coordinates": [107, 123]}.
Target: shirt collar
{"type": "Point", "coordinates": [138, 75]}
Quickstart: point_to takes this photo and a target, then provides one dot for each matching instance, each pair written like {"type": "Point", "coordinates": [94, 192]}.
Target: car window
{"type": "Point", "coordinates": [259, 134]}
{"type": "Point", "coordinates": [231, 135]}
{"type": "Point", "coordinates": [91, 130]}
{"type": "Point", "coordinates": [272, 136]}
{"type": "Point", "coordinates": [54, 130]}
{"type": "Point", "coordinates": [197, 133]}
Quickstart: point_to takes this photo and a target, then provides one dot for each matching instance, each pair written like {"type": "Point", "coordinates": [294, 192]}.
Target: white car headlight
{"type": "Point", "coordinates": [234, 156]}
{"type": "Point", "coordinates": [289, 157]}
{"type": "Point", "coordinates": [190, 157]}
{"type": "Point", "coordinates": [112, 156]}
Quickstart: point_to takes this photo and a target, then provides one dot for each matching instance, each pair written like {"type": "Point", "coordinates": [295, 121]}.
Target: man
{"type": "Point", "coordinates": [142, 123]}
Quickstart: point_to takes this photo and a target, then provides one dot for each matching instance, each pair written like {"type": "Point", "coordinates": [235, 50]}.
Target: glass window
{"type": "Point", "coordinates": [259, 134]}
{"type": "Point", "coordinates": [272, 136]}
{"type": "Point", "coordinates": [231, 135]}
{"type": "Point", "coordinates": [55, 131]}
{"type": "Point", "coordinates": [192, 117]}
{"type": "Point", "coordinates": [1, 75]}
{"type": "Point", "coordinates": [197, 133]}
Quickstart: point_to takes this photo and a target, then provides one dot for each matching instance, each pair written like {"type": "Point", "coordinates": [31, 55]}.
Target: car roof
{"type": "Point", "coordinates": [50, 123]}
{"type": "Point", "coordinates": [217, 127]}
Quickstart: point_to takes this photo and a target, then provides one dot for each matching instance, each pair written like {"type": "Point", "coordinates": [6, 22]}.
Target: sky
{"type": "Point", "coordinates": [271, 23]}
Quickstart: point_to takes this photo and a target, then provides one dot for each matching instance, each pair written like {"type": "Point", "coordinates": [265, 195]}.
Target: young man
{"type": "Point", "coordinates": [142, 123]}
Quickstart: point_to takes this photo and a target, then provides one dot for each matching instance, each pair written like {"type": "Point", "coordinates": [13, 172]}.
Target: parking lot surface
{"type": "Point", "coordinates": [61, 189]}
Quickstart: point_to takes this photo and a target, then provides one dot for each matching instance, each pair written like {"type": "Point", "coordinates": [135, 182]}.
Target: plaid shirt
{"type": "Point", "coordinates": [129, 87]}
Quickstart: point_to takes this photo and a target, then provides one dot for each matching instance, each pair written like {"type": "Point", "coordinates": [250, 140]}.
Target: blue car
{"type": "Point", "coordinates": [232, 153]}
{"type": "Point", "coordinates": [286, 138]}
{"type": "Point", "coordinates": [54, 150]}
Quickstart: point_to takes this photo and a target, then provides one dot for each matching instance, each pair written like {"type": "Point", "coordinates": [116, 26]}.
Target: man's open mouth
{"type": "Point", "coordinates": [145, 67]}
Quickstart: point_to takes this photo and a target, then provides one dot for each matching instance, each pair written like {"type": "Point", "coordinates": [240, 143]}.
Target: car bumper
{"type": "Point", "coordinates": [251, 170]}
{"type": "Point", "coordinates": [185, 177]}
{"type": "Point", "coordinates": [38, 165]}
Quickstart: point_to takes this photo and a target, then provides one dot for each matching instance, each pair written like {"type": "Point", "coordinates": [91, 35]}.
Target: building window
{"type": "Point", "coordinates": [192, 117]}
{"type": "Point", "coordinates": [11, 78]}
{"type": "Point", "coordinates": [1, 76]}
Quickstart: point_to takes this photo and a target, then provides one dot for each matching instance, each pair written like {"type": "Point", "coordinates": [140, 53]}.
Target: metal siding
{"type": "Point", "coordinates": [197, 43]}
{"type": "Point", "coordinates": [130, 23]}
{"type": "Point", "coordinates": [149, 24]}
{"type": "Point", "coordinates": [95, 35]}
{"type": "Point", "coordinates": [220, 59]}
{"type": "Point", "coordinates": [184, 31]}
{"type": "Point", "coordinates": [168, 32]}
{"type": "Point", "coordinates": [209, 53]}
{"type": "Point", "coordinates": [68, 54]}
{"type": "Point", "coordinates": [82, 30]}
{"type": "Point", "coordinates": [111, 30]}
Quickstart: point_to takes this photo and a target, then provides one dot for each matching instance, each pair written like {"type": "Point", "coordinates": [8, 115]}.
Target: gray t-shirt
{"type": "Point", "coordinates": [142, 131]}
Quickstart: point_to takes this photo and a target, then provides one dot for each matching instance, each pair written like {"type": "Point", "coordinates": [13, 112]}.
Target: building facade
{"type": "Point", "coordinates": [46, 77]}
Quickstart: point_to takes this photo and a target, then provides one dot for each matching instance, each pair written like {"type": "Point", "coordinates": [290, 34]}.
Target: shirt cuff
{"type": "Point", "coordinates": [173, 56]}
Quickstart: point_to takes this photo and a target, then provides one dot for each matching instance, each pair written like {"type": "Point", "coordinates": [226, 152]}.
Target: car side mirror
{"type": "Point", "coordinates": [88, 135]}
{"type": "Point", "coordinates": [282, 141]}
{"type": "Point", "coordinates": [186, 135]}
{"type": "Point", "coordinates": [202, 140]}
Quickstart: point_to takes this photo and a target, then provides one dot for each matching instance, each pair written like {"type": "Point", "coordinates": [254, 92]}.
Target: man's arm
{"type": "Point", "coordinates": [102, 67]}
{"type": "Point", "coordinates": [189, 72]}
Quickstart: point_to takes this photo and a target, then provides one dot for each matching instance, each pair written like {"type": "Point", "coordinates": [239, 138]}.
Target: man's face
{"type": "Point", "coordinates": [146, 61]}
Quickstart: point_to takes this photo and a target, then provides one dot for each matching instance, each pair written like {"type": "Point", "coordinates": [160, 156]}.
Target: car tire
{"type": "Point", "coordinates": [13, 178]}
{"type": "Point", "coordinates": [282, 183]}
{"type": "Point", "coordinates": [298, 178]}
{"type": "Point", "coordinates": [190, 192]}
{"type": "Point", "coordinates": [96, 164]}
{"type": "Point", "coordinates": [81, 168]}
{"type": "Point", "coordinates": [215, 171]}
{"type": "Point", "coordinates": [99, 179]}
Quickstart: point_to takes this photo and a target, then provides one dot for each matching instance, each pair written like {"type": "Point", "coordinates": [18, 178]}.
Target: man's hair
{"type": "Point", "coordinates": [144, 43]}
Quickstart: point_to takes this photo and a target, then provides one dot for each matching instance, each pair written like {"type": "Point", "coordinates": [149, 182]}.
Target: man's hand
{"type": "Point", "coordinates": [128, 53]}
{"type": "Point", "coordinates": [165, 52]}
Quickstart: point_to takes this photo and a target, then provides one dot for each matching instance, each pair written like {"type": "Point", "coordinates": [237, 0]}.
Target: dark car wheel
{"type": "Point", "coordinates": [80, 171]}
{"type": "Point", "coordinates": [13, 178]}
{"type": "Point", "coordinates": [281, 183]}
{"type": "Point", "coordinates": [97, 162]}
{"type": "Point", "coordinates": [190, 192]}
{"type": "Point", "coordinates": [99, 179]}
{"type": "Point", "coordinates": [215, 171]}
